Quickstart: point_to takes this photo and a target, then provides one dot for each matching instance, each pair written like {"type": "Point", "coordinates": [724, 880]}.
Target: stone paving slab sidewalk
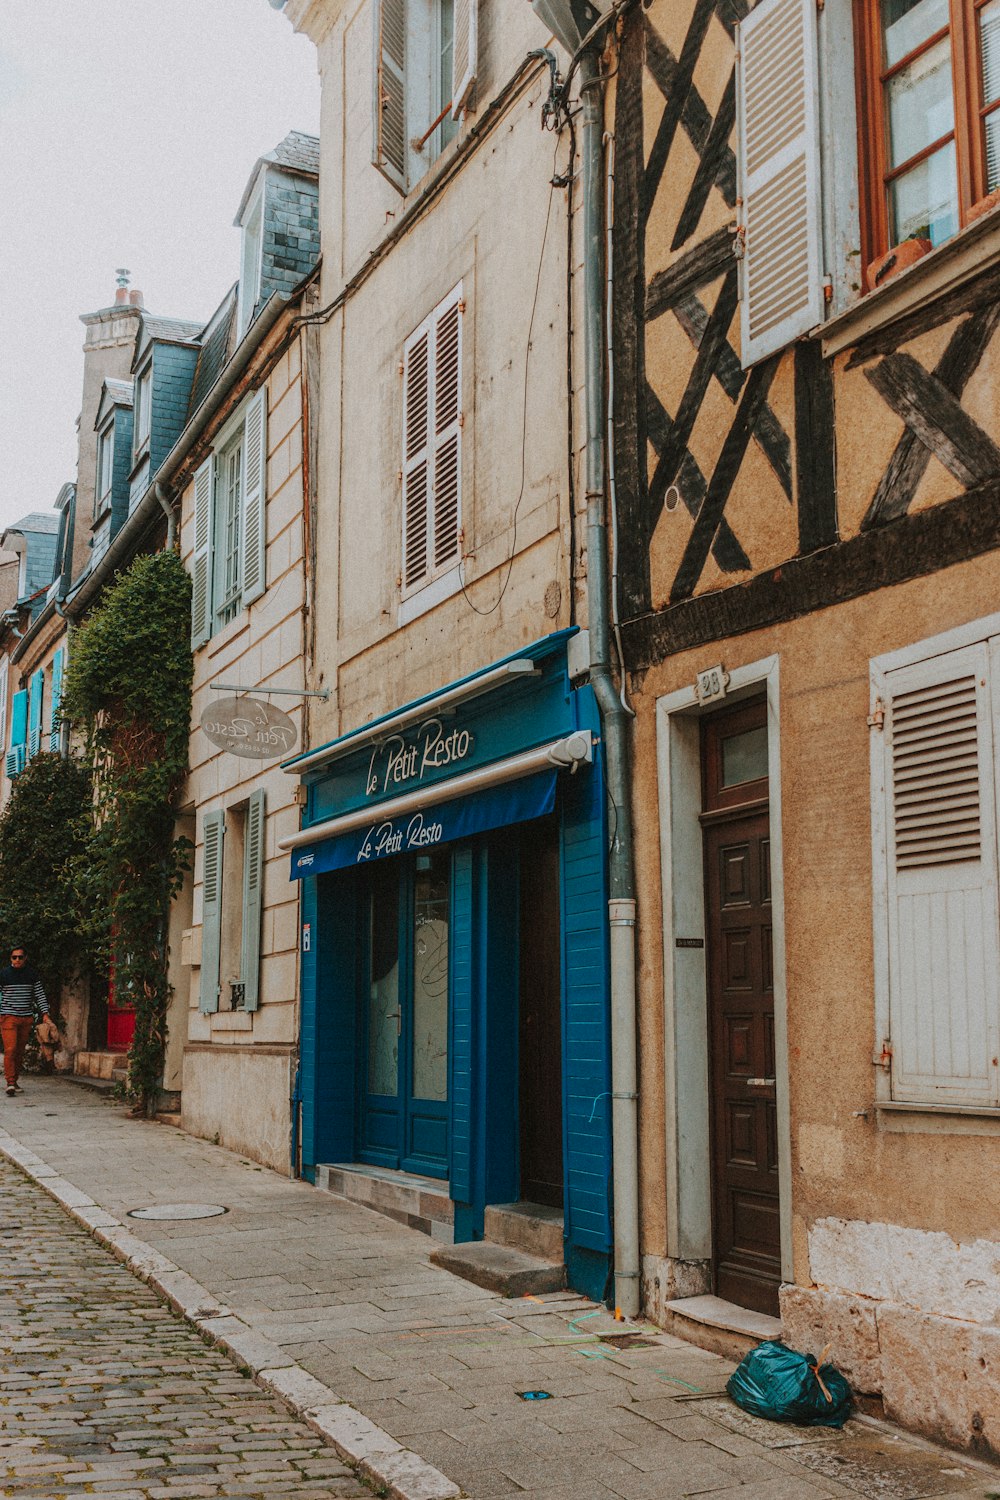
{"type": "Point", "coordinates": [418, 1374]}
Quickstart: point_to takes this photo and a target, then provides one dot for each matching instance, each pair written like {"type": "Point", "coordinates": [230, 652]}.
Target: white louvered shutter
{"type": "Point", "coordinates": [253, 883]}
{"type": "Point", "coordinates": [213, 833]}
{"type": "Point", "coordinates": [417, 355]}
{"type": "Point", "coordinates": [941, 880]}
{"type": "Point", "coordinates": [389, 153]}
{"type": "Point", "coordinates": [253, 578]}
{"type": "Point", "coordinates": [201, 559]}
{"type": "Point", "coordinates": [447, 431]}
{"type": "Point", "coordinates": [463, 62]}
{"type": "Point", "coordinates": [779, 175]}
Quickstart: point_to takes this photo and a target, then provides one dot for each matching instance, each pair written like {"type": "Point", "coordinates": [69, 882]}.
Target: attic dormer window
{"type": "Point", "coordinates": [105, 469]}
{"type": "Point", "coordinates": [143, 406]}
{"type": "Point", "coordinates": [250, 261]}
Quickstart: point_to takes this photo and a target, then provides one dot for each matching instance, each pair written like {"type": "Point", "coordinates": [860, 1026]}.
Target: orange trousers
{"type": "Point", "coordinates": [15, 1031]}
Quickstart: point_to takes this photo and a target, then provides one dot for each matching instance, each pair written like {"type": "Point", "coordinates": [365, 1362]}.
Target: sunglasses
{"type": "Point", "coordinates": [18, 955]}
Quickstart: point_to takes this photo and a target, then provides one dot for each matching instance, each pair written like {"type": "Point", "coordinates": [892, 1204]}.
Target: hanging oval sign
{"type": "Point", "coordinates": [249, 727]}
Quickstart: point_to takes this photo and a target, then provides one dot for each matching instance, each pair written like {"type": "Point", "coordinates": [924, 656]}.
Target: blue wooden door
{"type": "Point", "coordinates": [403, 1060]}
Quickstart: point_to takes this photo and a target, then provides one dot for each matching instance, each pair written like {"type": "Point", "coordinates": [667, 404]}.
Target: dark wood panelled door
{"type": "Point", "coordinates": [540, 1040]}
{"type": "Point", "coordinates": [746, 1235]}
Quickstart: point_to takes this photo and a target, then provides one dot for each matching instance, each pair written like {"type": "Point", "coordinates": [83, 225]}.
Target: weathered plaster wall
{"type": "Point", "coordinates": [263, 645]}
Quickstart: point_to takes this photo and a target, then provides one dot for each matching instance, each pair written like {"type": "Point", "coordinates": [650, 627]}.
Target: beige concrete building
{"type": "Point", "coordinates": [808, 465]}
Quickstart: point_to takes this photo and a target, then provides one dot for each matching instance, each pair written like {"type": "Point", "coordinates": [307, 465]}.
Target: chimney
{"type": "Point", "coordinates": [122, 294]}
{"type": "Point", "coordinates": [135, 298]}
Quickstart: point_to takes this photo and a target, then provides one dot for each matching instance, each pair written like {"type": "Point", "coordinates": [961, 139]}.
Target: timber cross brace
{"type": "Point", "coordinates": [653, 448]}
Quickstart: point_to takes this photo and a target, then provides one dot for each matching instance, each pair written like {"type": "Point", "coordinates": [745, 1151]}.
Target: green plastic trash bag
{"type": "Point", "coordinates": [784, 1386]}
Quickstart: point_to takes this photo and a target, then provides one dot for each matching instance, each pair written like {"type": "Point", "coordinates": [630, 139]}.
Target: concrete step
{"type": "Point", "coordinates": [720, 1326]}
{"type": "Point", "coordinates": [169, 1117]}
{"type": "Point", "coordinates": [498, 1268]}
{"type": "Point", "coordinates": [421, 1202]}
{"type": "Point", "coordinates": [526, 1226]}
{"type": "Point", "coordinates": [99, 1064]}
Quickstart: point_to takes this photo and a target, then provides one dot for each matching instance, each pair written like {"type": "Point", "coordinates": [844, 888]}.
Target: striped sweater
{"type": "Point", "coordinates": [21, 992]}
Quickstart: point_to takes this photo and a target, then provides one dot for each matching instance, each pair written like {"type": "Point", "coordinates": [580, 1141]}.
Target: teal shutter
{"type": "Point", "coordinates": [201, 560]}
{"type": "Point", "coordinates": [253, 883]}
{"type": "Point", "coordinates": [36, 693]}
{"type": "Point", "coordinates": [18, 733]}
{"type": "Point", "coordinates": [213, 832]}
{"type": "Point", "coordinates": [254, 570]}
{"type": "Point", "coordinates": [55, 728]}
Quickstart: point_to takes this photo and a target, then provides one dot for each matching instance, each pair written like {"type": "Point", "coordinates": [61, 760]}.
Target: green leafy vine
{"type": "Point", "coordinates": [128, 692]}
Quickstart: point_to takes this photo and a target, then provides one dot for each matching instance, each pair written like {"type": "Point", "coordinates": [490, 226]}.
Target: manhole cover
{"type": "Point", "coordinates": [179, 1211]}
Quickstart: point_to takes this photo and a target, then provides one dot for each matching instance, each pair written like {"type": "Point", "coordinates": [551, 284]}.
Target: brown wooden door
{"type": "Point", "coordinates": [540, 1042]}
{"type": "Point", "coordinates": [746, 1237]}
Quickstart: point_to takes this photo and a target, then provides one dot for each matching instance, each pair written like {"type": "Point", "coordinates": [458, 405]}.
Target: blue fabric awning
{"type": "Point", "coordinates": [494, 807]}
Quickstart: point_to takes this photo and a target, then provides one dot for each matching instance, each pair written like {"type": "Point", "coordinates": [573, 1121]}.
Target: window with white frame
{"type": "Point", "coordinates": [432, 444]}
{"type": "Point", "coordinates": [143, 407]}
{"type": "Point", "coordinates": [232, 900]}
{"type": "Point", "coordinates": [228, 562]}
{"type": "Point", "coordinates": [250, 260]}
{"type": "Point", "coordinates": [425, 69]}
{"type": "Point", "coordinates": [105, 469]}
{"type": "Point", "coordinates": [936, 873]}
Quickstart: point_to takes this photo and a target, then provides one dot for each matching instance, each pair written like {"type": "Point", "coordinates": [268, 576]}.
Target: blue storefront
{"type": "Point", "coordinates": [455, 1018]}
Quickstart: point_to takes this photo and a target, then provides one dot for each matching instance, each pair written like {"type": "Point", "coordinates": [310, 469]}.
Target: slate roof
{"type": "Point", "coordinates": [171, 330]}
{"type": "Point", "coordinates": [120, 391]}
{"type": "Point", "coordinates": [214, 349]}
{"type": "Point", "coordinates": [298, 151]}
{"type": "Point", "coordinates": [37, 520]}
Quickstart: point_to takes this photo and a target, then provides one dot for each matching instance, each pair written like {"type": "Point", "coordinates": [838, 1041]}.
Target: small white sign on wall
{"type": "Point", "coordinates": [711, 685]}
{"type": "Point", "coordinates": [306, 936]}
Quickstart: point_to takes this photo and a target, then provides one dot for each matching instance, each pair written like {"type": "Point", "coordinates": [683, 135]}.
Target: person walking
{"type": "Point", "coordinates": [22, 1002]}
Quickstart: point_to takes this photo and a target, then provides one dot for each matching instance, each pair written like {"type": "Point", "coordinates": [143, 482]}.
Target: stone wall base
{"type": "Point", "coordinates": [665, 1278]}
{"type": "Point", "coordinates": [936, 1375]}
{"type": "Point", "coordinates": [239, 1098]}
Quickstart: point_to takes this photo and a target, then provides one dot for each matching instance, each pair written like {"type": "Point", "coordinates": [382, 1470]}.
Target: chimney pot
{"type": "Point", "coordinates": [121, 296]}
{"type": "Point", "coordinates": [135, 298]}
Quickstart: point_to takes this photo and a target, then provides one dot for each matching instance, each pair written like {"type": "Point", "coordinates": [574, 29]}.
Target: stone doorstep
{"type": "Point", "coordinates": [526, 1226]}
{"type": "Point", "coordinates": [421, 1202]}
{"type": "Point", "coordinates": [101, 1065]}
{"type": "Point", "coordinates": [719, 1326]}
{"type": "Point", "coordinates": [501, 1269]}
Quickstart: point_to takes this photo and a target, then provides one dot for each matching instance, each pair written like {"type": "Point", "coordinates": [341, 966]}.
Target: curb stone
{"type": "Point", "coordinates": [395, 1471]}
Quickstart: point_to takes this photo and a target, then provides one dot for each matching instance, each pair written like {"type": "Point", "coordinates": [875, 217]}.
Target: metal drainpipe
{"type": "Point", "coordinates": [614, 719]}
{"type": "Point", "coordinates": [169, 512]}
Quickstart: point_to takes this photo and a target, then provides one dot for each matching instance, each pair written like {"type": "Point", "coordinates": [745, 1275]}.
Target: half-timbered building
{"type": "Point", "coordinates": [807, 466]}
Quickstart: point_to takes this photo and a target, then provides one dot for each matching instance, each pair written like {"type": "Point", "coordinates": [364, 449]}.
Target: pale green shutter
{"type": "Point", "coordinates": [55, 728]}
{"type": "Point", "coordinates": [254, 571]}
{"type": "Point", "coordinates": [253, 889]}
{"type": "Point", "coordinates": [213, 832]}
{"type": "Point", "coordinates": [201, 561]}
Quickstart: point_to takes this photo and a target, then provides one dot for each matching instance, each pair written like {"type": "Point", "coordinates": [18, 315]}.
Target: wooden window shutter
{"type": "Point", "coordinates": [18, 733]}
{"type": "Point", "coordinates": [55, 729]}
{"type": "Point", "coordinates": [779, 175]}
{"type": "Point", "coordinates": [941, 880]}
{"type": "Point", "coordinates": [213, 834]}
{"type": "Point", "coordinates": [417, 353]}
{"type": "Point", "coordinates": [464, 55]}
{"type": "Point", "coordinates": [389, 154]}
{"type": "Point", "coordinates": [4, 683]}
{"type": "Point", "coordinates": [447, 431]}
{"type": "Point", "coordinates": [253, 885]}
{"type": "Point", "coordinates": [254, 538]}
{"type": "Point", "coordinates": [36, 693]}
{"type": "Point", "coordinates": [201, 560]}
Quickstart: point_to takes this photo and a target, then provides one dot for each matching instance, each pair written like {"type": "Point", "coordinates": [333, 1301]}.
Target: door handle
{"type": "Point", "coordinates": [760, 1083]}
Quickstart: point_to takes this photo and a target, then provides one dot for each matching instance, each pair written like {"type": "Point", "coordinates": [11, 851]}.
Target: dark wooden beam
{"type": "Point", "coordinates": [703, 263]}
{"type": "Point", "coordinates": [914, 546]}
{"type": "Point", "coordinates": [707, 170]}
{"type": "Point", "coordinates": [815, 459]}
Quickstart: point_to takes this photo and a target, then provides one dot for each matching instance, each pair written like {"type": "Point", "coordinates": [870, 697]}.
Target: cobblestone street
{"type": "Point", "coordinates": [105, 1391]}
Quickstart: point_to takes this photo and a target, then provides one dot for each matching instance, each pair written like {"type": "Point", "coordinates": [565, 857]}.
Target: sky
{"type": "Point", "coordinates": [128, 131]}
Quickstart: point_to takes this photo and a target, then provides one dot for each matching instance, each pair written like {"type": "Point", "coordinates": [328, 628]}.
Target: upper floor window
{"type": "Point", "coordinates": [143, 406]}
{"type": "Point", "coordinates": [432, 443]}
{"type": "Point", "coordinates": [105, 469]}
{"type": "Point", "coordinates": [250, 262]}
{"type": "Point", "coordinates": [930, 91]}
{"type": "Point", "coordinates": [228, 561]}
{"type": "Point", "coordinates": [425, 67]}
